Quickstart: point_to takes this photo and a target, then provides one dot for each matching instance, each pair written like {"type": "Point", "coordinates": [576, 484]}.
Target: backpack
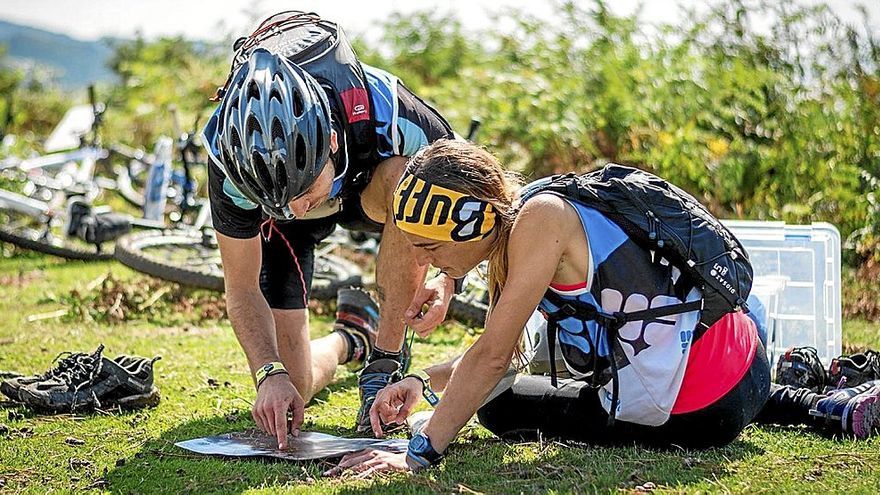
{"type": "Point", "coordinates": [322, 49]}
{"type": "Point", "coordinates": [671, 224]}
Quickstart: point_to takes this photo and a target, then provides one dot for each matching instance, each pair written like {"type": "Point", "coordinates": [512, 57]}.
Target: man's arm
{"type": "Point", "coordinates": [254, 328]}
{"type": "Point", "coordinates": [397, 278]}
{"type": "Point", "coordinates": [248, 310]}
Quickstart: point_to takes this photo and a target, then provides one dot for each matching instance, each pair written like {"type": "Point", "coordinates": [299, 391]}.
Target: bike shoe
{"type": "Point", "coordinates": [800, 367]}
{"type": "Point", "coordinates": [374, 377]}
{"type": "Point", "coordinates": [94, 382]}
{"type": "Point", "coordinates": [854, 370]}
{"type": "Point", "coordinates": [853, 411]}
{"type": "Point", "coordinates": [357, 315]}
{"type": "Point", "coordinates": [10, 387]}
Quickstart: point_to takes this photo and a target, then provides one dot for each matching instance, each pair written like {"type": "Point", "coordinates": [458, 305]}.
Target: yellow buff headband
{"type": "Point", "coordinates": [441, 214]}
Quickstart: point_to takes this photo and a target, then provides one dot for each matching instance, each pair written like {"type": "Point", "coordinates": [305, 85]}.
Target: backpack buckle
{"type": "Point", "coordinates": [568, 310]}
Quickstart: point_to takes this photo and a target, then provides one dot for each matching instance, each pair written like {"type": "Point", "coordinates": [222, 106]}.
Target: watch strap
{"type": "Point", "coordinates": [421, 452]}
{"type": "Point", "coordinates": [427, 392]}
{"type": "Point", "coordinates": [269, 369]}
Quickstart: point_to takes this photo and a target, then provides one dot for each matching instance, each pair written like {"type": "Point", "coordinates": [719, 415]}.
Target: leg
{"type": "Point", "coordinates": [286, 275]}
{"type": "Point", "coordinates": [788, 406]}
{"type": "Point", "coordinates": [311, 364]}
{"type": "Point", "coordinates": [532, 407]}
{"type": "Point", "coordinates": [573, 412]}
{"type": "Point", "coordinates": [851, 411]}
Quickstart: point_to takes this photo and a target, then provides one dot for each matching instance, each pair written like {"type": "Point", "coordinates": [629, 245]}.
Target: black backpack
{"type": "Point", "coordinates": [322, 49]}
{"type": "Point", "coordinates": [667, 221]}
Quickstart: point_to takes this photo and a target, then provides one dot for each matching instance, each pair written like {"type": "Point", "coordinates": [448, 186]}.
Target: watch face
{"type": "Point", "coordinates": [268, 367]}
{"type": "Point", "coordinates": [419, 443]}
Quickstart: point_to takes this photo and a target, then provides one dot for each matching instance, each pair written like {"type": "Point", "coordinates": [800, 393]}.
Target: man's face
{"type": "Point", "coordinates": [318, 193]}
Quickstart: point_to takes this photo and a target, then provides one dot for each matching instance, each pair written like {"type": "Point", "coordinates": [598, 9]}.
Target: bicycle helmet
{"type": "Point", "coordinates": [274, 131]}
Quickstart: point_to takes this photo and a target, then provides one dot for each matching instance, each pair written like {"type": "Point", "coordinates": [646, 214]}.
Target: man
{"type": "Point", "coordinates": [291, 159]}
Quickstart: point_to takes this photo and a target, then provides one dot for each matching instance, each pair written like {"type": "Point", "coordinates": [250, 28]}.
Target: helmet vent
{"type": "Point", "coordinates": [300, 152]}
{"type": "Point", "coordinates": [319, 141]}
{"type": "Point", "coordinates": [281, 175]}
{"type": "Point", "coordinates": [234, 138]}
{"type": "Point", "coordinates": [232, 172]}
{"type": "Point", "coordinates": [277, 130]}
{"type": "Point", "coordinates": [262, 171]}
{"type": "Point", "coordinates": [253, 90]}
{"type": "Point", "coordinates": [253, 126]}
{"type": "Point", "coordinates": [298, 105]}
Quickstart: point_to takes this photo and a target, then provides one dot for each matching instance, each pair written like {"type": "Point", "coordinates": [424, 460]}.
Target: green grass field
{"type": "Point", "coordinates": [206, 390]}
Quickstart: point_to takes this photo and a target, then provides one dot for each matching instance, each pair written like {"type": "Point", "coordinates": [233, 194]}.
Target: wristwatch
{"type": "Point", "coordinates": [269, 369]}
{"type": "Point", "coordinates": [427, 391]}
{"type": "Point", "coordinates": [420, 453]}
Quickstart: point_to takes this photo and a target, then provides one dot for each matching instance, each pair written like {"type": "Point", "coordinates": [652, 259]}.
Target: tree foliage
{"type": "Point", "coordinates": [780, 121]}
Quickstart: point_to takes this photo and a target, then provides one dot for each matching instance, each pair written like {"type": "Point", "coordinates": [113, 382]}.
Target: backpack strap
{"type": "Point", "coordinates": [587, 312]}
{"type": "Point", "coordinates": [612, 322]}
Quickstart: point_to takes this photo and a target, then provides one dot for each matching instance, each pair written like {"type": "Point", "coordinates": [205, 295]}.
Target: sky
{"type": "Point", "coordinates": [210, 20]}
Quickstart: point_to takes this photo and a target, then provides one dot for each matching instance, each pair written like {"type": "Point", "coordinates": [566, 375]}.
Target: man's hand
{"type": "Point", "coordinates": [275, 396]}
{"type": "Point", "coordinates": [394, 403]}
{"type": "Point", "coordinates": [436, 294]}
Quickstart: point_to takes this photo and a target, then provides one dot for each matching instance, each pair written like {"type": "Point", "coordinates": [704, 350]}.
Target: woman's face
{"type": "Point", "coordinates": [454, 258]}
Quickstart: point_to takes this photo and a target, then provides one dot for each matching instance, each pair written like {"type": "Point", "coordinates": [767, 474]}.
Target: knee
{"type": "Point", "coordinates": [499, 417]}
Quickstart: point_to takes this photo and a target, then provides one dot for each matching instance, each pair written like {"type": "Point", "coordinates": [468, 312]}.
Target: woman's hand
{"type": "Point", "coordinates": [436, 293]}
{"type": "Point", "coordinates": [394, 403]}
{"type": "Point", "coordinates": [369, 462]}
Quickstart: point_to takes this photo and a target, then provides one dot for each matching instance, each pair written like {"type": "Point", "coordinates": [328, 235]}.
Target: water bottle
{"type": "Point", "coordinates": [156, 193]}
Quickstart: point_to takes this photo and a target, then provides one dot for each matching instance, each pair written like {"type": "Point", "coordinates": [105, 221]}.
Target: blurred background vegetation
{"type": "Point", "coordinates": [776, 122]}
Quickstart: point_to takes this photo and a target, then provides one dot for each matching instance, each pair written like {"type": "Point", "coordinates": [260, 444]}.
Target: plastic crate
{"type": "Point", "coordinates": [797, 278]}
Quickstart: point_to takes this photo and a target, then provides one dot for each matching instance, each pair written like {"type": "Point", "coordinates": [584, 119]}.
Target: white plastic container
{"type": "Point", "coordinates": [797, 278]}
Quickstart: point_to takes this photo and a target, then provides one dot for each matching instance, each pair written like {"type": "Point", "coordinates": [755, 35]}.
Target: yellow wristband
{"type": "Point", "coordinates": [269, 369]}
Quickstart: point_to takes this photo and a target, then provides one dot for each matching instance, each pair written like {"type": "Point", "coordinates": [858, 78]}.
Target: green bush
{"type": "Point", "coordinates": [775, 123]}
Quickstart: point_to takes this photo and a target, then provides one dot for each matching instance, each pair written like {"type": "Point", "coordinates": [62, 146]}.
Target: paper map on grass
{"type": "Point", "coordinates": [307, 446]}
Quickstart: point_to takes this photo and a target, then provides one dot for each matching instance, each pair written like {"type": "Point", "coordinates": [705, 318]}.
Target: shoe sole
{"type": "Point", "coordinates": [137, 401]}
{"type": "Point", "coordinates": [866, 415]}
{"type": "Point", "coordinates": [9, 390]}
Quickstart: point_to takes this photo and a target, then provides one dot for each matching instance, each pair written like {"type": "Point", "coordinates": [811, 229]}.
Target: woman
{"type": "Point", "coordinates": [457, 207]}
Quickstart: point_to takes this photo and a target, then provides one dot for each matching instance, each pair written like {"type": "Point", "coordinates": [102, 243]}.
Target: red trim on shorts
{"type": "Point", "coordinates": [717, 362]}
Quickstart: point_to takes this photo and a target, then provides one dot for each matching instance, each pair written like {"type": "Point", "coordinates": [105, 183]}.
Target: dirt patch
{"type": "Point", "coordinates": [108, 299]}
{"type": "Point", "coordinates": [22, 278]}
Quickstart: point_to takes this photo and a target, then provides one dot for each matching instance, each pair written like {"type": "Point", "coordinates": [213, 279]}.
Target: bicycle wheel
{"type": "Point", "coordinates": [192, 258]}
{"type": "Point", "coordinates": [46, 235]}
{"type": "Point", "coordinates": [185, 257]}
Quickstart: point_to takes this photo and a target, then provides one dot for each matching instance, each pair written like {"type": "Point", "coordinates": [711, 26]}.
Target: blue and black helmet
{"type": "Point", "coordinates": [273, 132]}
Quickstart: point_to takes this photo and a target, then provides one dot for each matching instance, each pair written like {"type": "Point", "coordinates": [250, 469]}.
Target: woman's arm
{"type": "Point", "coordinates": [535, 248]}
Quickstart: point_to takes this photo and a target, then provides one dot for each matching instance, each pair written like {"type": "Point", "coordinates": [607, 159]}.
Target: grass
{"type": "Point", "coordinates": [133, 452]}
